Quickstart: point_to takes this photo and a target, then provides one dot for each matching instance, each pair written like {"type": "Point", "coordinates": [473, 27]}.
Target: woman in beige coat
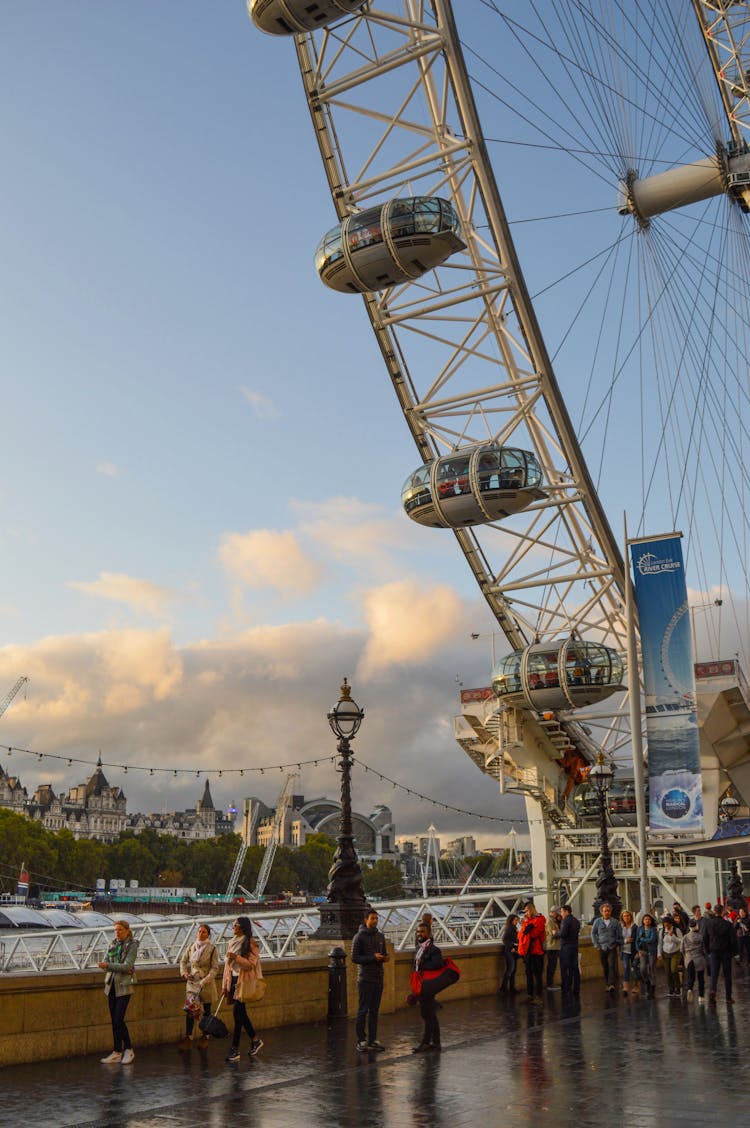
{"type": "Point", "coordinates": [199, 967]}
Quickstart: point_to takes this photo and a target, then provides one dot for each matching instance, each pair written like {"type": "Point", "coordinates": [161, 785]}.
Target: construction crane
{"type": "Point", "coordinates": [7, 700]}
{"type": "Point", "coordinates": [249, 823]}
{"type": "Point", "coordinates": [276, 830]}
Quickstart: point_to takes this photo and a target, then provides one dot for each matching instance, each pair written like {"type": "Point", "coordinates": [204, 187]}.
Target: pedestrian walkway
{"type": "Point", "coordinates": [504, 1061]}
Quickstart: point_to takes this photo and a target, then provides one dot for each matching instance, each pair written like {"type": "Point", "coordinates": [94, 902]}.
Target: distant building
{"type": "Point", "coordinates": [89, 810]}
{"type": "Point", "coordinates": [374, 834]}
{"type": "Point", "coordinates": [427, 846]}
{"type": "Point", "coordinates": [12, 794]}
{"type": "Point", "coordinates": [194, 825]}
{"type": "Point", "coordinates": [465, 847]}
{"type": "Point", "coordinates": [94, 809]}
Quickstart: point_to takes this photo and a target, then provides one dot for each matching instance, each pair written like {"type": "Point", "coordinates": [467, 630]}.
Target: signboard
{"type": "Point", "coordinates": [726, 668]}
{"type": "Point", "coordinates": [675, 800]}
{"type": "Point", "coordinates": [483, 694]}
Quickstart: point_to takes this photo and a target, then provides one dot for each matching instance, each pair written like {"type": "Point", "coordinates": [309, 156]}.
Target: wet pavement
{"type": "Point", "coordinates": [504, 1061]}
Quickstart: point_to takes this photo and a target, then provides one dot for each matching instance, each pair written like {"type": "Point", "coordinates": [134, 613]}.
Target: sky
{"type": "Point", "coordinates": [200, 522]}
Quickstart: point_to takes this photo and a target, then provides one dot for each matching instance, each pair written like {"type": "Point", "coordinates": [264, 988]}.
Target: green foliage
{"type": "Point", "coordinates": [383, 879]}
{"type": "Point", "coordinates": [56, 860]}
{"type": "Point", "coordinates": [484, 863]}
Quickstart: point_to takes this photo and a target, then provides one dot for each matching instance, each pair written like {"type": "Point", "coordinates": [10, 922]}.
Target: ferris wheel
{"type": "Point", "coordinates": [423, 237]}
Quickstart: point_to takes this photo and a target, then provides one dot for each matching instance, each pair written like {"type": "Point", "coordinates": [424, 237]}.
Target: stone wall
{"type": "Point", "coordinates": [66, 1014]}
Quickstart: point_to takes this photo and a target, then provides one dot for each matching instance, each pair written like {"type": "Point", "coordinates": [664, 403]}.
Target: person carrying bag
{"type": "Point", "coordinates": [243, 983]}
{"type": "Point", "coordinates": [432, 974]}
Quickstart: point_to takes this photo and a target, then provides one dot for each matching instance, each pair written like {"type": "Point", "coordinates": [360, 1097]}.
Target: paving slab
{"type": "Point", "coordinates": [504, 1061]}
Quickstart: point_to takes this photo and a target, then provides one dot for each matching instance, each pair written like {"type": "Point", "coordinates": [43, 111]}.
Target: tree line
{"type": "Point", "coordinates": [56, 861]}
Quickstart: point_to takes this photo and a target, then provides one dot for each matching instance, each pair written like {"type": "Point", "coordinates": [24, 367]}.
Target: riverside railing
{"type": "Point", "coordinates": [469, 920]}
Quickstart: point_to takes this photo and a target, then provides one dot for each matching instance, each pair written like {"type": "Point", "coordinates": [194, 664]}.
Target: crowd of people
{"type": "Point", "coordinates": [631, 950]}
{"type": "Point", "coordinates": [242, 982]}
{"type": "Point", "coordinates": [691, 951]}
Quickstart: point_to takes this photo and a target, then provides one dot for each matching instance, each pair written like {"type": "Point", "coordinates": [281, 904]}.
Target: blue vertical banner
{"type": "Point", "coordinates": [674, 768]}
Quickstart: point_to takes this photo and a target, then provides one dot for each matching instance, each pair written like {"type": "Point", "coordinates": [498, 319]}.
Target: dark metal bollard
{"type": "Point", "coordinates": [337, 1002]}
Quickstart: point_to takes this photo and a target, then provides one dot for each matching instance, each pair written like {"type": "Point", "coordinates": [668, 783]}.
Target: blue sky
{"type": "Point", "coordinates": [200, 519]}
{"type": "Point", "coordinates": [200, 524]}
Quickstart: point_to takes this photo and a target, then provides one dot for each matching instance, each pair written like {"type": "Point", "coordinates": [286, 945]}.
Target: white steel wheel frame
{"type": "Point", "coordinates": [394, 115]}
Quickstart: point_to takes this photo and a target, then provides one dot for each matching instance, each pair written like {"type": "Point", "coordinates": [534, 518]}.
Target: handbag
{"type": "Point", "coordinates": [251, 988]}
{"type": "Point", "coordinates": [418, 978]}
{"type": "Point", "coordinates": [252, 991]}
{"type": "Point", "coordinates": [212, 1025]}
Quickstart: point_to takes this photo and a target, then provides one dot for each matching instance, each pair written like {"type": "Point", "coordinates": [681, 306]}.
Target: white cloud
{"type": "Point", "coordinates": [139, 595]}
{"type": "Point", "coordinates": [262, 405]}
{"type": "Point", "coordinates": [107, 469]}
{"type": "Point", "coordinates": [269, 558]}
{"type": "Point", "coordinates": [408, 622]}
{"type": "Point", "coordinates": [257, 698]}
{"type": "Point", "coordinates": [359, 533]}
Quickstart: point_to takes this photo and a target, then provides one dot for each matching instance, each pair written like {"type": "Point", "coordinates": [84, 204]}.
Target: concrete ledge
{"type": "Point", "coordinates": [65, 1014]}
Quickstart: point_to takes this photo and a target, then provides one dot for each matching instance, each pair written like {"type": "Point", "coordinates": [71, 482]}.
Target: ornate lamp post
{"type": "Point", "coordinates": [729, 807]}
{"type": "Point", "coordinates": [601, 776]}
{"type": "Point", "coordinates": [343, 912]}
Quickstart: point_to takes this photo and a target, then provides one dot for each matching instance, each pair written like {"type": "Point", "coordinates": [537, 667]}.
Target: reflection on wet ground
{"type": "Point", "coordinates": [504, 1061]}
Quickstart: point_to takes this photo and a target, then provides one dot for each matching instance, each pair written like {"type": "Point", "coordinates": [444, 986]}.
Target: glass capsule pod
{"type": "Point", "coordinates": [287, 17]}
{"type": "Point", "coordinates": [558, 675]}
{"type": "Point", "coordinates": [471, 487]}
{"type": "Point", "coordinates": [394, 242]}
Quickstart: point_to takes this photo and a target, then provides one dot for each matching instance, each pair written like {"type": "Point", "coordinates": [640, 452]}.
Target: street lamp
{"type": "Point", "coordinates": [729, 807]}
{"type": "Point", "coordinates": [343, 912]}
{"type": "Point", "coordinates": [601, 776]}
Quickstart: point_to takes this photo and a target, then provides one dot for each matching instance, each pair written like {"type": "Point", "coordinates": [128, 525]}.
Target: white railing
{"type": "Point", "coordinates": [472, 919]}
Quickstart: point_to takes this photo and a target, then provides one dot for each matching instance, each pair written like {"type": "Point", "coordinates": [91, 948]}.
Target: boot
{"type": "Point", "coordinates": [185, 1043]}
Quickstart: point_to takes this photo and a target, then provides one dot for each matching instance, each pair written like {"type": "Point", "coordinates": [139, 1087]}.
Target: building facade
{"type": "Point", "coordinates": [374, 834]}
{"type": "Point", "coordinates": [95, 809]}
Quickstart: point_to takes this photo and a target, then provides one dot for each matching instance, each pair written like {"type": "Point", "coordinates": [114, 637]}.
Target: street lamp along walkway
{"type": "Point", "coordinates": [343, 911]}
{"type": "Point", "coordinates": [601, 776]}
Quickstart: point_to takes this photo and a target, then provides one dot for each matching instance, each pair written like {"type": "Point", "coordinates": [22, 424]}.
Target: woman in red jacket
{"type": "Point", "coordinates": [531, 948]}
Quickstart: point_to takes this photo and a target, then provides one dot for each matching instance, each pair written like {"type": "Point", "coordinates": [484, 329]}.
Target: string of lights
{"type": "Point", "coordinates": [125, 768]}
{"type": "Point", "coordinates": [219, 773]}
{"type": "Point", "coordinates": [438, 802]}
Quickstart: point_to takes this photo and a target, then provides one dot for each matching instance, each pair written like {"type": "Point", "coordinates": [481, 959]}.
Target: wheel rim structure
{"type": "Point", "coordinates": [394, 115]}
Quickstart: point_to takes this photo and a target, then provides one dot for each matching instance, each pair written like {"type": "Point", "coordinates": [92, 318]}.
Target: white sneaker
{"type": "Point", "coordinates": [112, 1059]}
{"type": "Point", "coordinates": [127, 1057]}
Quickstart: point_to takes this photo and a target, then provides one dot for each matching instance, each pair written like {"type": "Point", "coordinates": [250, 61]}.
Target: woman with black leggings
{"type": "Point", "coordinates": [118, 987]}
{"type": "Point", "coordinates": [240, 972]}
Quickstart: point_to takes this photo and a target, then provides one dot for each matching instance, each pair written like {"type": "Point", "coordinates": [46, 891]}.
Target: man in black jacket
{"type": "Point", "coordinates": [570, 976]}
{"type": "Point", "coordinates": [369, 953]}
{"type": "Point", "coordinates": [722, 943]}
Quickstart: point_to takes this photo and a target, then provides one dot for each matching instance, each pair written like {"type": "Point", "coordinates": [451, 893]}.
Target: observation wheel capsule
{"type": "Point", "coordinates": [559, 675]}
{"type": "Point", "coordinates": [472, 487]}
{"type": "Point", "coordinates": [394, 242]}
{"type": "Point", "coordinates": [287, 17]}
